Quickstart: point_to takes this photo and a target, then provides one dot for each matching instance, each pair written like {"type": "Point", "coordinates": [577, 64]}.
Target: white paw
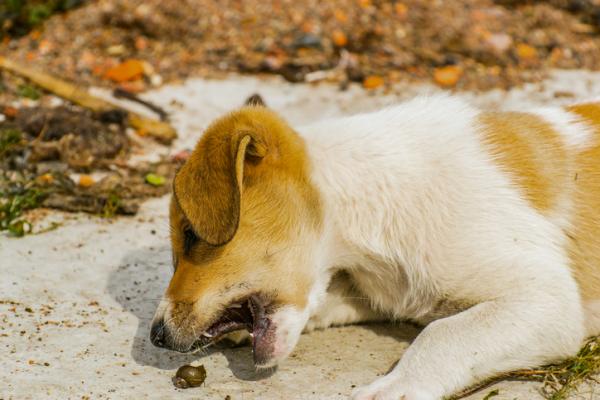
{"type": "Point", "coordinates": [387, 388]}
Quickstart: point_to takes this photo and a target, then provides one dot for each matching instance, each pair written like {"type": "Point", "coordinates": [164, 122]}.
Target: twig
{"type": "Point", "coordinates": [122, 93]}
{"type": "Point", "coordinates": [519, 375]}
{"type": "Point", "coordinates": [158, 130]}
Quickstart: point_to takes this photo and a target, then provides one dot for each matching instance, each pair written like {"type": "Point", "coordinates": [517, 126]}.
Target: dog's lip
{"type": "Point", "coordinates": [248, 313]}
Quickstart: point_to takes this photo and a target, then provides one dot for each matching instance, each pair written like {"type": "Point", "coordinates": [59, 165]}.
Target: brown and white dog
{"type": "Point", "coordinates": [483, 226]}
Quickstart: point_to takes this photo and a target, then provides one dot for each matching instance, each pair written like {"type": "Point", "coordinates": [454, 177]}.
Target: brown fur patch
{"type": "Point", "coordinates": [584, 237]}
{"type": "Point", "coordinates": [531, 151]}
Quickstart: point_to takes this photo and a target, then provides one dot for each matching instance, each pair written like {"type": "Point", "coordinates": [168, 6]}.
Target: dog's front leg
{"type": "Point", "coordinates": [487, 339]}
{"type": "Point", "coordinates": [343, 305]}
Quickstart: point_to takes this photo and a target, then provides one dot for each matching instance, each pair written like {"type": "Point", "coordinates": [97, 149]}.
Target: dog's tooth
{"type": "Point", "coordinates": [235, 305]}
{"type": "Point", "coordinates": [208, 335]}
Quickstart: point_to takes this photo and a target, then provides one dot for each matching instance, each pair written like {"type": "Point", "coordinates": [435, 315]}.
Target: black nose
{"type": "Point", "coordinates": [157, 333]}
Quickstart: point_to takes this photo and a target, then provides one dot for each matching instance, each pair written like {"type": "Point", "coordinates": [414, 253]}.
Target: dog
{"type": "Point", "coordinates": [484, 227]}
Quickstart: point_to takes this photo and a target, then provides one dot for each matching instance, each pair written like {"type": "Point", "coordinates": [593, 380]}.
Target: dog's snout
{"type": "Point", "coordinates": [157, 333]}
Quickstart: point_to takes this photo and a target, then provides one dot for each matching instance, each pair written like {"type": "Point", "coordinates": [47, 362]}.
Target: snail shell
{"type": "Point", "coordinates": [189, 376]}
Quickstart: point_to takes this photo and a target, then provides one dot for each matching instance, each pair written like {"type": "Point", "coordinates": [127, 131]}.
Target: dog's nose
{"type": "Point", "coordinates": [157, 333]}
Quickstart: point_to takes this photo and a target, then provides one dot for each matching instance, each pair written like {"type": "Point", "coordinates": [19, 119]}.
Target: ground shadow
{"type": "Point", "coordinates": [138, 285]}
{"type": "Point", "coordinates": [400, 331]}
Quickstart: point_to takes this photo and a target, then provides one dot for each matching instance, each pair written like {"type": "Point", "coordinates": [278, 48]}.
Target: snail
{"type": "Point", "coordinates": [189, 376]}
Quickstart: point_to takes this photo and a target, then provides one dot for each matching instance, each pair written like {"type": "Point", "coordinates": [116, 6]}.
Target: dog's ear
{"type": "Point", "coordinates": [208, 187]}
{"type": "Point", "coordinates": [255, 100]}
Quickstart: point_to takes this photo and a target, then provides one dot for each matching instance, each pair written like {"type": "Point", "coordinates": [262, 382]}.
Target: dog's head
{"type": "Point", "coordinates": [245, 228]}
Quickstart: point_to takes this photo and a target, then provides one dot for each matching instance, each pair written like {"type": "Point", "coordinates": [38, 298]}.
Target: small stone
{"type": "Point", "coordinates": [499, 41]}
{"type": "Point", "coordinates": [116, 50]}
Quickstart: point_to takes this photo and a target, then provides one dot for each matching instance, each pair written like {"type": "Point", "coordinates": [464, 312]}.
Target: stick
{"type": "Point", "coordinates": [124, 94]}
{"type": "Point", "coordinates": [159, 130]}
{"type": "Point", "coordinates": [519, 375]}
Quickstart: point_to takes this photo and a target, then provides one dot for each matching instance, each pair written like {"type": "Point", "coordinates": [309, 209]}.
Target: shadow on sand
{"type": "Point", "coordinates": [138, 285]}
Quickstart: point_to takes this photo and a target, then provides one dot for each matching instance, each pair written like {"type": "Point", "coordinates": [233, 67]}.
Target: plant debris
{"type": "Point", "coordinates": [72, 135]}
{"type": "Point", "coordinates": [155, 180]}
{"type": "Point", "coordinates": [493, 44]}
{"type": "Point", "coordinates": [558, 380]}
{"type": "Point", "coordinates": [17, 17]}
{"type": "Point", "coordinates": [48, 158]}
{"type": "Point", "coordinates": [15, 199]}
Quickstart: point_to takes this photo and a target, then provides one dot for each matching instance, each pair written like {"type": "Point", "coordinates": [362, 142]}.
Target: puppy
{"type": "Point", "coordinates": [483, 226]}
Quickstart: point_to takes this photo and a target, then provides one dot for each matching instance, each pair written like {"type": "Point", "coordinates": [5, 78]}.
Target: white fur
{"type": "Point", "coordinates": [420, 216]}
{"type": "Point", "coordinates": [573, 132]}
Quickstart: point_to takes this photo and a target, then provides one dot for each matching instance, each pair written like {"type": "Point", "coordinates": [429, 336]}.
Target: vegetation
{"type": "Point", "coordinates": [17, 17]}
{"type": "Point", "coordinates": [10, 139]}
{"type": "Point", "coordinates": [13, 203]}
{"type": "Point", "coordinates": [29, 92]}
{"type": "Point", "coordinates": [558, 380]}
{"type": "Point", "coordinates": [111, 205]}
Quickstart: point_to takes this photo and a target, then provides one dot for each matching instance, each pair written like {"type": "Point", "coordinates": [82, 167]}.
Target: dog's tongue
{"type": "Point", "coordinates": [263, 341]}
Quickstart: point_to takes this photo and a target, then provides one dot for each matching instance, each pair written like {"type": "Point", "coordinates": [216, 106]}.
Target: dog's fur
{"type": "Point", "coordinates": [483, 226]}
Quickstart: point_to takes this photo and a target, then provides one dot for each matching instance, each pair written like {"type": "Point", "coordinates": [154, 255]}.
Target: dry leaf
{"type": "Point", "coordinates": [128, 71]}
{"type": "Point", "coordinates": [447, 76]}
{"type": "Point", "coordinates": [373, 81]}
{"type": "Point", "coordinates": [339, 38]}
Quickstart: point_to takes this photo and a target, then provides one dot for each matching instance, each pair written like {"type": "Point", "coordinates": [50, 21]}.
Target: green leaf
{"type": "Point", "coordinates": [155, 180]}
{"type": "Point", "coordinates": [29, 92]}
{"type": "Point", "coordinates": [491, 394]}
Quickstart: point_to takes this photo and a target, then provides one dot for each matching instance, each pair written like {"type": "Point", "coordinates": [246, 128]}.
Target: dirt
{"type": "Point", "coordinates": [94, 284]}
{"type": "Point", "coordinates": [72, 135]}
{"type": "Point", "coordinates": [71, 159]}
{"type": "Point", "coordinates": [491, 43]}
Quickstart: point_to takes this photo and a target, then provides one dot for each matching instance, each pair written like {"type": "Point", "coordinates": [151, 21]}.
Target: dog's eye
{"type": "Point", "coordinates": [189, 240]}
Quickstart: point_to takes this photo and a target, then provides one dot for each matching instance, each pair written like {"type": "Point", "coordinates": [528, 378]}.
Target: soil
{"type": "Point", "coordinates": [492, 43]}
{"type": "Point", "coordinates": [51, 155]}
{"type": "Point", "coordinates": [71, 135]}
{"type": "Point", "coordinates": [94, 284]}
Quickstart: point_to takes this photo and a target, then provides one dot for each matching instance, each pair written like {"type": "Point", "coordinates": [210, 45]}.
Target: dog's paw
{"type": "Point", "coordinates": [387, 388]}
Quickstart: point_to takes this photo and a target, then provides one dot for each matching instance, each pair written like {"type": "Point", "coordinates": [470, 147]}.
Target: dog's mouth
{"type": "Point", "coordinates": [250, 314]}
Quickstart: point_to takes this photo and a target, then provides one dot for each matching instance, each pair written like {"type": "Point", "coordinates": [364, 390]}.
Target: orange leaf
{"type": "Point", "coordinates": [86, 181]}
{"type": "Point", "coordinates": [447, 76]}
{"type": "Point", "coordinates": [372, 82]}
{"type": "Point", "coordinates": [128, 71]}
{"type": "Point", "coordinates": [339, 38]}
{"type": "Point", "coordinates": [526, 52]}
{"type": "Point", "coordinates": [46, 179]}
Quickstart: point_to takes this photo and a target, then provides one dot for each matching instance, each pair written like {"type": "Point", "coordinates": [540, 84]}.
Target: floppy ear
{"type": "Point", "coordinates": [208, 187]}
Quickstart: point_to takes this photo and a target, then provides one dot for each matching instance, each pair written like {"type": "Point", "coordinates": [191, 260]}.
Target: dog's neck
{"type": "Point", "coordinates": [377, 182]}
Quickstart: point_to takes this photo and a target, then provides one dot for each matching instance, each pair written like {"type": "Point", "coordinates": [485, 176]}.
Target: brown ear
{"type": "Point", "coordinates": [208, 188]}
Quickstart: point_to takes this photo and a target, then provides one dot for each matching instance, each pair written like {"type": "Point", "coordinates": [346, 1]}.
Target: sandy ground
{"type": "Point", "coordinates": [76, 302]}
